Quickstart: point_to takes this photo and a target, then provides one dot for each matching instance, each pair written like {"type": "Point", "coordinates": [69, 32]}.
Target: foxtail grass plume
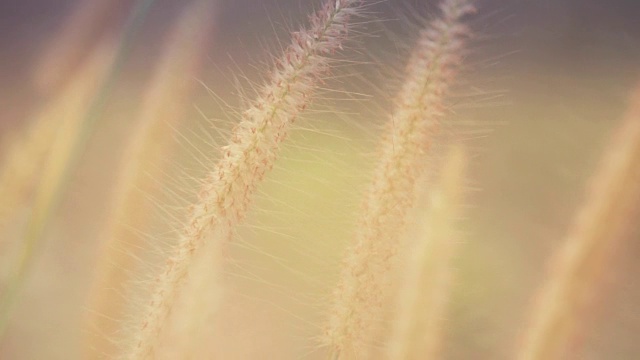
{"type": "Point", "coordinates": [150, 143]}
{"type": "Point", "coordinates": [587, 248]}
{"type": "Point", "coordinates": [415, 121]}
{"type": "Point", "coordinates": [421, 303]}
{"type": "Point", "coordinates": [227, 190]}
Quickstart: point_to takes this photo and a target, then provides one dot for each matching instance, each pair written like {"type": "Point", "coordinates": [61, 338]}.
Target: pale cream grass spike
{"type": "Point", "coordinates": [252, 151]}
{"type": "Point", "coordinates": [357, 308]}
{"type": "Point", "coordinates": [151, 142]}
{"type": "Point", "coordinates": [75, 41]}
{"type": "Point", "coordinates": [587, 249]}
{"type": "Point", "coordinates": [421, 303]}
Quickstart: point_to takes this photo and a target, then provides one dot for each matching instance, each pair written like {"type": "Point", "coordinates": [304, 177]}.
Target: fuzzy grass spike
{"type": "Point", "coordinates": [226, 192]}
{"type": "Point", "coordinates": [405, 149]}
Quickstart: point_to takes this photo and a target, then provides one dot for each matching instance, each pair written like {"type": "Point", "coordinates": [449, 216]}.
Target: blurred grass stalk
{"type": "Point", "coordinates": [27, 153]}
{"type": "Point", "coordinates": [356, 317]}
{"type": "Point", "coordinates": [82, 30]}
{"type": "Point", "coordinates": [150, 144]}
{"type": "Point", "coordinates": [67, 149]}
{"type": "Point", "coordinates": [421, 303]}
{"type": "Point", "coordinates": [589, 245]}
{"type": "Point", "coordinates": [34, 162]}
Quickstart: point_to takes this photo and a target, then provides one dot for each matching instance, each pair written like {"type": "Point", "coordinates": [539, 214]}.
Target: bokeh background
{"type": "Point", "coordinates": [545, 84]}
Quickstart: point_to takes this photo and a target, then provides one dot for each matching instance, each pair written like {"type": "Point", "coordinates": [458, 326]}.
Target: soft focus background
{"type": "Point", "coordinates": [545, 83]}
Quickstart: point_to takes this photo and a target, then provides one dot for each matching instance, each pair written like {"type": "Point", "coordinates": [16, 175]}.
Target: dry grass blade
{"type": "Point", "coordinates": [409, 134]}
{"type": "Point", "coordinates": [609, 200]}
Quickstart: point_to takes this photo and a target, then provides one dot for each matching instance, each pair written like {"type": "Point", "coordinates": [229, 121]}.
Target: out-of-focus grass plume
{"type": "Point", "coordinates": [609, 207]}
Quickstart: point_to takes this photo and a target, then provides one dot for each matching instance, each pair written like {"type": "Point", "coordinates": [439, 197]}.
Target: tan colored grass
{"type": "Point", "coordinates": [227, 191]}
{"type": "Point", "coordinates": [587, 248]}
{"type": "Point", "coordinates": [150, 144]}
{"type": "Point", "coordinates": [421, 303]}
{"type": "Point", "coordinates": [357, 308]}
